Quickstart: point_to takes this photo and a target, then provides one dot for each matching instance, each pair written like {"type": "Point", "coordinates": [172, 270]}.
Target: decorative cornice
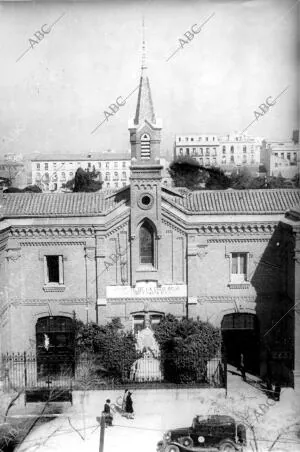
{"type": "Point", "coordinates": [173, 227]}
{"type": "Point", "coordinates": [245, 285]}
{"type": "Point", "coordinates": [45, 301]}
{"type": "Point", "coordinates": [225, 299]}
{"type": "Point", "coordinates": [178, 300]}
{"type": "Point", "coordinates": [54, 288]}
{"type": "Point", "coordinates": [238, 240]}
{"type": "Point", "coordinates": [119, 227]}
{"type": "Point", "coordinates": [237, 228]}
{"type": "Point", "coordinates": [53, 231]}
{"type": "Point", "coordinates": [52, 243]}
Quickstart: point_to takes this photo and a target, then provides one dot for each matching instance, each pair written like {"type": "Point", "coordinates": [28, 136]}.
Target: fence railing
{"type": "Point", "coordinates": [25, 370]}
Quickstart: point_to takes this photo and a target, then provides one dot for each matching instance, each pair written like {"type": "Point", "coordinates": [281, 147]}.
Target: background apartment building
{"type": "Point", "coordinates": [227, 152]}
{"type": "Point", "coordinates": [282, 158]}
{"type": "Point", "coordinates": [204, 148]}
{"type": "Point", "coordinates": [51, 172]}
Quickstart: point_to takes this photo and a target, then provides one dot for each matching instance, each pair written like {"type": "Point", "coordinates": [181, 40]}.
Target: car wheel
{"type": "Point", "coordinates": [186, 441]}
{"type": "Point", "coordinates": [227, 446]}
{"type": "Point", "coordinates": [172, 448]}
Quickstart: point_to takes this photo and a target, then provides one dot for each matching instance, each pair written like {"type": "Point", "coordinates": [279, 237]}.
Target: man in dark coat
{"type": "Point", "coordinates": [129, 406]}
{"type": "Point", "coordinates": [107, 414]}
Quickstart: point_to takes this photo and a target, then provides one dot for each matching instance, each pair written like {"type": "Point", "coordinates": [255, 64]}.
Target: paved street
{"type": "Point", "coordinates": [160, 410]}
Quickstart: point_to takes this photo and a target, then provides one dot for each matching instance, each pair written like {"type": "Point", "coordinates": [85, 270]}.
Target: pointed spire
{"type": "Point", "coordinates": [144, 108]}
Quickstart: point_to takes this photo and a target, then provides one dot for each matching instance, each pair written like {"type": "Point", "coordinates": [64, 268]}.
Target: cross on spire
{"type": "Point", "coordinates": [144, 64]}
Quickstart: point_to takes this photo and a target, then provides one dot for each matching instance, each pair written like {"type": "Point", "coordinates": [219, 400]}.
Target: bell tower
{"type": "Point", "coordinates": [145, 183]}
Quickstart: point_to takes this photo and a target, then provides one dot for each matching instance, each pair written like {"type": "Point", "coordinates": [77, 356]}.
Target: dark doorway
{"type": "Point", "coordinates": [55, 346]}
{"type": "Point", "coordinates": [240, 333]}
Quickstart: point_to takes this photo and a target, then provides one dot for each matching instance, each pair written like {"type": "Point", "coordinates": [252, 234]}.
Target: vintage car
{"type": "Point", "coordinates": [213, 433]}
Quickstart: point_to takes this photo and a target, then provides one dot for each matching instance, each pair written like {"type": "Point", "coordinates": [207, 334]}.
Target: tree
{"type": "Point", "coordinates": [217, 179]}
{"type": "Point", "coordinates": [12, 190]}
{"type": "Point", "coordinates": [276, 182]}
{"type": "Point", "coordinates": [85, 181]}
{"type": "Point", "coordinates": [28, 189]}
{"type": "Point", "coordinates": [186, 346]}
{"type": "Point", "coordinates": [32, 189]}
{"type": "Point", "coordinates": [186, 172]}
{"type": "Point", "coordinates": [112, 348]}
{"type": "Point", "coordinates": [296, 180]}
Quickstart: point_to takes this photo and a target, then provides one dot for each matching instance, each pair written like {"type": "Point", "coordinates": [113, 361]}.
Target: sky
{"type": "Point", "coordinates": [53, 97]}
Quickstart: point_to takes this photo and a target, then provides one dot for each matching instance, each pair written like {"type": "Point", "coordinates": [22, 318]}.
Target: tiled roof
{"type": "Point", "coordinates": [58, 204]}
{"type": "Point", "coordinates": [100, 203]}
{"type": "Point", "coordinates": [237, 201]}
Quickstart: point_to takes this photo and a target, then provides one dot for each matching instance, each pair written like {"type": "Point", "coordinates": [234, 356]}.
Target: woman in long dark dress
{"type": "Point", "coordinates": [129, 406]}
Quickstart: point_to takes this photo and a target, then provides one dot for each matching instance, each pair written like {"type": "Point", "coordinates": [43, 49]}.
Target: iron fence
{"type": "Point", "coordinates": [26, 371]}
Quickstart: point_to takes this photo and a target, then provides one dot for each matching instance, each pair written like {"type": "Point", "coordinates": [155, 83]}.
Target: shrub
{"type": "Point", "coordinates": [186, 347]}
{"type": "Point", "coordinates": [113, 348]}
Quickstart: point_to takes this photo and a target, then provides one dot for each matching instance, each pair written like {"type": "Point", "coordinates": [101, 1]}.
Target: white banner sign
{"type": "Point", "coordinates": [165, 291]}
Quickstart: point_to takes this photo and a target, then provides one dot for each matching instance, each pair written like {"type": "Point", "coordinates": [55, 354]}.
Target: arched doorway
{"type": "Point", "coordinates": [240, 333]}
{"type": "Point", "coordinates": [55, 348]}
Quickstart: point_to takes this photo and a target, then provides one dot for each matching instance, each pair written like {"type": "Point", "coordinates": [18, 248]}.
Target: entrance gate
{"type": "Point", "coordinates": [240, 333]}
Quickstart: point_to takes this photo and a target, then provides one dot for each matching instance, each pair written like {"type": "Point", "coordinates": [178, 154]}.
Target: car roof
{"type": "Point", "coordinates": [215, 419]}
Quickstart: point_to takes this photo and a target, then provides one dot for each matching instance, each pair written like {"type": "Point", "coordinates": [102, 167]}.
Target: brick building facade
{"type": "Point", "coordinates": [148, 250]}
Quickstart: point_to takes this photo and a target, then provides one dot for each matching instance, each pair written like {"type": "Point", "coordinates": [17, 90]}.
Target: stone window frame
{"type": "Point", "coordinates": [235, 283]}
{"type": "Point", "coordinates": [53, 286]}
{"type": "Point", "coordinates": [142, 266]}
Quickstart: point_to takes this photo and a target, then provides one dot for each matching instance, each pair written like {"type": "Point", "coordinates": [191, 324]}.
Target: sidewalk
{"type": "Point", "coordinates": [157, 411]}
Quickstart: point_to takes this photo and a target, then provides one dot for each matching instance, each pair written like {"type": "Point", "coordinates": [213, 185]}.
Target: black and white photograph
{"type": "Point", "coordinates": [149, 226]}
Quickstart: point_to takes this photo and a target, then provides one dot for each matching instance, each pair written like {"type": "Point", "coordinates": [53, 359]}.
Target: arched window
{"type": "Point", "coordinates": [146, 244]}
{"type": "Point", "coordinates": [55, 346]}
{"type": "Point", "coordinates": [145, 146]}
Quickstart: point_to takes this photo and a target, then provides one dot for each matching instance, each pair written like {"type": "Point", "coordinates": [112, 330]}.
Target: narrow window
{"type": "Point", "coordinates": [146, 244]}
{"type": "Point", "coordinates": [52, 263]}
{"type": "Point", "coordinates": [239, 266]}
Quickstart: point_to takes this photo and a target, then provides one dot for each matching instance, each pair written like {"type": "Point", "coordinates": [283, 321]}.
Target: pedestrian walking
{"type": "Point", "coordinates": [124, 400]}
{"type": "Point", "coordinates": [107, 413]}
{"type": "Point", "coordinates": [129, 406]}
{"type": "Point", "coordinates": [242, 366]}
